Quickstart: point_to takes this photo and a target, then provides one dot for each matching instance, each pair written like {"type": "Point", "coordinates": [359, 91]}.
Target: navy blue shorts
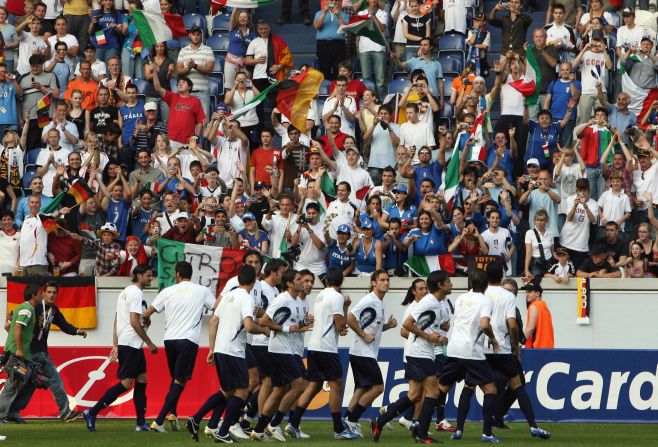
{"type": "Point", "coordinates": [323, 366]}
{"type": "Point", "coordinates": [132, 362]}
{"type": "Point", "coordinates": [252, 361]}
{"type": "Point", "coordinates": [232, 371]}
{"type": "Point", "coordinates": [473, 372]}
{"type": "Point", "coordinates": [302, 366]}
{"type": "Point", "coordinates": [366, 372]}
{"type": "Point", "coordinates": [286, 369]}
{"type": "Point", "coordinates": [505, 364]}
{"type": "Point", "coordinates": [181, 355]}
{"type": "Point", "coordinates": [263, 361]}
{"type": "Point", "coordinates": [418, 369]}
{"type": "Point", "coordinates": [439, 364]}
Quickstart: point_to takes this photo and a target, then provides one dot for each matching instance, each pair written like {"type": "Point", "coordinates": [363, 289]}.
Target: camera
{"type": "Point", "coordinates": [292, 254]}
{"type": "Point", "coordinates": [384, 125]}
{"type": "Point", "coordinates": [303, 219]}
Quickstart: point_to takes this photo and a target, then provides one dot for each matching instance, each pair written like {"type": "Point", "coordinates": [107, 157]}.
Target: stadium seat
{"type": "Point", "coordinates": [218, 43]}
{"type": "Point", "coordinates": [448, 110]}
{"type": "Point", "coordinates": [215, 88]}
{"type": "Point", "coordinates": [454, 54]}
{"type": "Point", "coordinates": [191, 20]}
{"type": "Point", "coordinates": [324, 88]}
{"type": "Point", "coordinates": [368, 83]}
{"type": "Point", "coordinates": [219, 77]}
{"type": "Point", "coordinates": [141, 84]}
{"type": "Point", "coordinates": [356, 68]}
{"type": "Point", "coordinates": [31, 157]}
{"type": "Point", "coordinates": [220, 24]}
{"type": "Point", "coordinates": [452, 41]}
{"type": "Point", "coordinates": [184, 41]}
{"type": "Point", "coordinates": [398, 85]}
{"type": "Point", "coordinates": [219, 65]}
{"type": "Point", "coordinates": [30, 172]}
{"type": "Point", "coordinates": [173, 43]}
{"type": "Point", "coordinates": [410, 51]}
{"type": "Point", "coordinates": [451, 64]}
{"type": "Point", "coordinates": [447, 83]}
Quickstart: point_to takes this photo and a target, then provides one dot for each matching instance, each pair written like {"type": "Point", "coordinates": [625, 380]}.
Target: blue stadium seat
{"type": "Point", "coordinates": [324, 88]}
{"type": "Point", "coordinates": [368, 83]}
{"type": "Point", "coordinates": [451, 64]}
{"type": "Point", "coordinates": [215, 88]}
{"type": "Point", "coordinates": [454, 54]}
{"type": "Point", "coordinates": [173, 43]}
{"type": "Point", "coordinates": [356, 69]}
{"type": "Point", "coordinates": [219, 65]}
{"type": "Point", "coordinates": [218, 43]}
{"type": "Point", "coordinates": [184, 41]}
{"type": "Point", "coordinates": [219, 77]}
{"type": "Point", "coordinates": [398, 85]}
{"type": "Point", "coordinates": [30, 172]}
{"type": "Point", "coordinates": [448, 110]}
{"type": "Point", "coordinates": [141, 85]}
{"type": "Point", "coordinates": [410, 51]}
{"type": "Point", "coordinates": [447, 82]}
{"type": "Point", "coordinates": [452, 41]}
{"type": "Point", "coordinates": [220, 24]}
{"type": "Point", "coordinates": [31, 156]}
{"type": "Point", "coordinates": [191, 20]}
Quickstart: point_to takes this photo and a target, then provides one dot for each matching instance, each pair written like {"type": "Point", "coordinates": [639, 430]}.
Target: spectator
{"type": "Point", "coordinates": [35, 86]}
{"type": "Point", "coordinates": [219, 233]}
{"type": "Point", "coordinates": [91, 220]}
{"type": "Point", "coordinates": [146, 131]}
{"type": "Point", "coordinates": [539, 323]}
{"type": "Point", "coordinates": [512, 110]}
{"type": "Point", "coordinates": [619, 116]}
{"type": "Point", "coordinates": [355, 88]}
{"type": "Point", "coordinates": [454, 14]}
{"type": "Point", "coordinates": [333, 126]}
{"type": "Point", "coordinates": [503, 153]}
{"type": "Point", "coordinates": [174, 180]}
{"type": "Point", "coordinates": [645, 179]}
{"type": "Point", "coordinates": [10, 38]}
{"type": "Point", "coordinates": [565, 175]}
{"type": "Point", "coordinates": [330, 44]}
{"type": "Point", "coordinates": [400, 208]}
{"type": "Point", "coordinates": [309, 236]}
{"type": "Point", "coordinates": [597, 265]}
{"type": "Point", "coordinates": [499, 240]}
{"type": "Point", "coordinates": [68, 132]}
{"type": "Point", "coordinates": [49, 158]}
{"type": "Point", "coordinates": [62, 35]}
{"type": "Point", "coordinates": [429, 239]}
{"type": "Point", "coordinates": [63, 253]}
{"type": "Point", "coordinates": [9, 243]}
{"type": "Point", "coordinates": [231, 149]}
{"type": "Point", "coordinates": [183, 231]}
{"type": "Point", "coordinates": [368, 254]}
{"type": "Point", "coordinates": [415, 133]}
{"type": "Point", "coordinates": [395, 253]}
{"type": "Point", "coordinates": [616, 246]}
{"type": "Point", "coordinates": [341, 211]}
{"type": "Point", "coordinates": [594, 63]}
{"type": "Point", "coordinates": [144, 177]}
{"type": "Point", "coordinates": [562, 270]}
{"type": "Point", "coordinates": [572, 11]}
{"type": "Point", "coordinates": [263, 157]}
{"type": "Point", "coordinates": [86, 85]}
{"type": "Point", "coordinates": [382, 136]}
{"type": "Point", "coordinates": [339, 252]}
{"type": "Point", "coordinates": [131, 51]}
{"type": "Point", "coordinates": [544, 134]}
{"type": "Point", "coordinates": [538, 246]}
{"type": "Point", "coordinates": [11, 167]}
{"type": "Point", "coordinates": [9, 100]}
{"type": "Point", "coordinates": [559, 34]}
{"type": "Point", "coordinates": [478, 43]}
{"type": "Point", "coordinates": [286, 12]}
{"type": "Point", "coordinates": [241, 33]}
{"type": "Point", "coordinates": [595, 136]}
{"type": "Point", "coordinates": [116, 203]}
{"type": "Point", "coordinates": [135, 254]}
{"type": "Point", "coordinates": [643, 67]}
{"type": "Point", "coordinates": [371, 54]}
{"type": "Point", "coordinates": [469, 243]}
{"type": "Point", "coordinates": [583, 212]}
{"type": "Point", "coordinates": [558, 95]}
{"type": "Point", "coordinates": [169, 212]}
{"type": "Point", "coordinates": [36, 188]}
{"type": "Point", "coordinates": [104, 113]}
{"type": "Point", "coordinates": [258, 55]}
{"type": "Point", "coordinates": [295, 156]}
{"type": "Point", "coordinates": [280, 224]}
{"type": "Point", "coordinates": [252, 237]}
{"type": "Point", "coordinates": [107, 251]}
{"type": "Point", "coordinates": [399, 11]}
{"type": "Point", "coordinates": [130, 114]}
{"type": "Point", "coordinates": [341, 105]}
{"type": "Point", "coordinates": [636, 265]}
{"type": "Point", "coordinates": [31, 44]}
{"type": "Point", "coordinates": [105, 30]}
{"type": "Point", "coordinates": [214, 186]}
{"type": "Point", "coordinates": [141, 215]}
{"type": "Point", "coordinates": [430, 66]}
{"type": "Point", "coordinates": [164, 68]}
{"type": "Point", "coordinates": [76, 114]}
{"type": "Point", "coordinates": [595, 11]}
{"type": "Point", "coordinates": [614, 206]}
{"type": "Point", "coordinates": [196, 62]}
{"type": "Point", "coordinates": [98, 67]}
{"type": "Point", "coordinates": [540, 195]}
{"type": "Point", "coordinates": [40, 10]}
{"type": "Point", "coordinates": [629, 35]}
{"type": "Point", "coordinates": [547, 58]}
{"type": "Point", "coordinates": [237, 96]}
{"type": "Point", "coordinates": [58, 66]}
{"type": "Point", "coordinates": [514, 25]}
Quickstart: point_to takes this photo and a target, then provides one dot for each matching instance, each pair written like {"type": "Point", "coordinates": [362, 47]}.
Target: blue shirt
{"type": "Point", "coordinates": [329, 30]}
{"type": "Point", "coordinates": [62, 72]}
{"type": "Point", "coordinates": [621, 121]}
{"type": "Point", "coordinates": [560, 95]}
{"type": "Point", "coordinates": [506, 161]}
{"type": "Point", "coordinates": [111, 34]}
{"type": "Point", "coordinates": [432, 243]}
{"type": "Point", "coordinates": [366, 262]}
{"type": "Point", "coordinates": [251, 239]}
{"type": "Point", "coordinates": [8, 111]}
{"type": "Point", "coordinates": [537, 138]}
{"type": "Point", "coordinates": [130, 116]}
{"type": "Point", "coordinates": [22, 211]}
{"type": "Point", "coordinates": [238, 43]}
{"type": "Point", "coordinates": [432, 171]}
{"type": "Point", "coordinates": [432, 69]}
{"type": "Point", "coordinates": [393, 257]}
{"type": "Point", "coordinates": [379, 233]}
{"type": "Point", "coordinates": [117, 213]}
{"type": "Point", "coordinates": [338, 258]}
{"type": "Point", "coordinates": [138, 223]}
{"type": "Point", "coordinates": [406, 214]}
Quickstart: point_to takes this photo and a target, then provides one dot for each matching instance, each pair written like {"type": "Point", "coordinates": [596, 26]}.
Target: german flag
{"type": "Point", "coordinates": [49, 224]}
{"type": "Point", "coordinates": [80, 191]}
{"type": "Point", "coordinates": [43, 110]}
{"type": "Point", "coordinates": [76, 297]}
{"type": "Point", "coordinates": [293, 96]}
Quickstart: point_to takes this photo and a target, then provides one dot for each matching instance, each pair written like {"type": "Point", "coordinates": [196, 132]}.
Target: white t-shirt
{"type": "Point", "coordinates": [229, 152]}
{"type": "Point", "coordinates": [283, 311]}
{"type": "Point", "coordinates": [98, 69]}
{"type": "Point", "coordinates": [566, 184]}
{"type": "Point", "coordinates": [369, 314]}
{"type": "Point", "coordinates": [559, 32]}
{"type": "Point", "coordinates": [407, 342]}
{"type": "Point", "coordinates": [239, 100]}
{"type": "Point", "coordinates": [428, 315]}
{"type": "Point", "coordinates": [276, 227]}
{"type": "Point", "coordinates": [302, 312]}
{"type": "Point", "coordinates": [131, 300]}
{"type": "Point", "coordinates": [575, 232]}
{"type": "Point", "coordinates": [584, 20]}
{"type": "Point", "coordinates": [588, 64]}
{"type": "Point", "coordinates": [268, 293]}
{"type": "Point", "coordinates": [366, 44]}
{"type": "Point", "coordinates": [9, 249]}
{"type": "Point", "coordinates": [70, 40]}
{"type": "Point", "coordinates": [358, 178]}
{"type": "Point", "coordinates": [614, 206]}
{"type": "Point", "coordinates": [547, 240]}
{"type": "Point", "coordinates": [258, 48]}
{"type": "Point", "coordinates": [167, 220]}
{"type": "Point", "coordinates": [646, 181]}
{"type": "Point", "coordinates": [466, 341]}
{"type": "Point", "coordinates": [63, 141]}
{"type": "Point", "coordinates": [184, 304]}
{"type": "Point", "coordinates": [324, 337]}
{"type": "Point", "coordinates": [341, 213]}
{"type": "Point", "coordinates": [60, 157]}
{"type": "Point", "coordinates": [27, 46]}
{"type": "Point", "coordinates": [282, 131]}
{"type": "Point", "coordinates": [233, 309]}
{"type": "Point", "coordinates": [418, 134]}
{"type": "Point", "coordinates": [33, 243]}
{"type": "Point", "coordinates": [504, 307]}
{"type": "Point", "coordinates": [455, 15]}
{"type": "Point", "coordinates": [346, 126]}
{"type": "Point", "coordinates": [499, 243]}
{"type": "Point", "coordinates": [511, 100]}
{"type": "Point", "coordinates": [627, 37]}
{"type": "Point", "coordinates": [200, 56]}
{"type": "Point", "coordinates": [312, 257]}
{"type": "Point", "coordinates": [256, 295]}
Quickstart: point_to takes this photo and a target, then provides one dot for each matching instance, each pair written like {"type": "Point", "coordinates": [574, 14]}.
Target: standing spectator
{"type": "Point", "coordinates": [642, 69]}
{"type": "Point", "coordinates": [49, 158]}
{"type": "Point", "coordinates": [596, 12]}
{"type": "Point", "coordinates": [383, 138]}
{"type": "Point", "coordinates": [330, 44]}
{"type": "Point", "coordinates": [63, 253]}
{"type": "Point", "coordinates": [543, 135]}
{"type": "Point", "coordinates": [540, 195]}
{"type": "Point", "coordinates": [241, 33]}
{"type": "Point", "coordinates": [499, 240]}
{"type": "Point", "coordinates": [269, 61]}
{"type": "Point", "coordinates": [8, 32]}
{"type": "Point", "coordinates": [583, 212]}
{"type": "Point", "coordinates": [373, 55]}
{"type": "Point", "coordinates": [538, 330]}
{"type": "Point", "coordinates": [31, 44]}
{"type": "Point", "coordinates": [310, 236]}
{"type": "Point", "coordinates": [105, 30]}
{"type": "Point", "coordinates": [98, 67]}
{"type": "Point", "coordinates": [565, 175]}
{"type": "Point", "coordinates": [237, 96]}
{"type": "Point", "coordinates": [560, 34]}
{"type": "Point", "coordinates": [503, 153]}
{"type": "Point", "coordinates": [514, 25]}
{"type": "Point", "coordinates": [186, 112]}
{"type": "Point", "coordinates": [116, 81]}
{"type": "Point", "coordinates": [183, 231]}
{"type": "Point", "coordinates": [62, 35]}
{"type": "Point", "coordinates": [595, 135]}
{"type": "Point", "coordinates": [264, 156]}
{"type": "Point", "coordinates": [286, 12]}
{"type": "Point", "coordinates": [355, 88]}
{"type": "Point", "coordinates": [547, 58]}
{"type": "Point", "coordinates": [614, 243]}
{"type": "Point", "coordinates": [116, 203]}
{"type": "Point", "coordinates": [454, 13]}
{"type": "Point", "coordinates": [165, 67]}
{"type": "Point", "coordinates": [594, 63]}
{"type": "Point", "coordinates": [146, 131]}
{"type": "Point", "coordinates": [645, 179]}
{"type": "Point", "coordinates": [280, 224]}
{"type": "Point", "coordinates": [629, 36]}
{"type": "Point", "coordinates": [86, 85]}
{"type": "Point", "coordinates": [430, 66]}
{"type": "Point", "coordinates": [11, 91]}
{"type": "Point", "coordinates": [619, 115]}
{"type": "Point", "coordinates": [196, 62]}
{"type": "Point", "coordinates": [478, 43]}
{"type": "Point", "coordinates": [131, 59]}
{"type": "Point", "coordinates": [341, 105]}
{"type": "Point", "coordinates": [9, 243]}
{"type": "Point", "coordinates": [571, 9]}
{"type": "Point", "coordinates": [349, 171]}
{"type": "Point", "coordinates": [556, 100]}
{"type": "Point", "coordinates": [104, 114]}
{"type": "Point", "coordinates": [143, 176]}
{"type": "Point", "coordinates": [415, 134]}
{"type": "Point", "coordinates": [130, 114]}
{"type": "Point", "coordinates": [416, 26]}
{"type": "Point", "coordinates": [512, 109]}
{"type": "Point", "coordinates": [92, 219]}
{"type": "Point", "coordinates": [59, 67]}
{"type": "Point", "coordinates": [231, 149]}
{"type": "Point", "coordinates": [107, 250]}
{"type": "Point", "coordinates": [22, 210]}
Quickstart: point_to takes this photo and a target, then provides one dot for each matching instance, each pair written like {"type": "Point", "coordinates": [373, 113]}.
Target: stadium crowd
{"type": "Point", "coordinates": [560, 184]}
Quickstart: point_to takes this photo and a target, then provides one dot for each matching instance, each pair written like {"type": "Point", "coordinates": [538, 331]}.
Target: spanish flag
{"type": "Point", "coordinates": [76, 297]}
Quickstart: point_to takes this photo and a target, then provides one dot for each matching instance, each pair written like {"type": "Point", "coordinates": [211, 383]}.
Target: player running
{"type": "Point", "coordinates": [129, 339]}
{"type": "Point", "coordinates": [184, 304]}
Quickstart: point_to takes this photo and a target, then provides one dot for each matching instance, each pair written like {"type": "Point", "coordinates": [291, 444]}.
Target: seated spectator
{"type": "Point", "coordinates": [636, 265]}
{"type": "Point", "coordinates": [309, 235]}
{"type": "Point", "coordinates": [368, 253]}
{"type": "Point", "coordinates": [468, 243]}
{"type": "Point", "coordinates": [135, 254]}
{"type": "Point", "coordinates": [615, 245]}
{"type": "Point", "coordinates": [582, 213]}
{"type": "Point", "coordinates": [562, 270]}
{"type": "Point", "coordinates": [252, 237]}
{"type": "Point", "coordinates": [339, 251]}
{"type": "Point", "coordinates": [538, 247]}
{"type": "Point", "coordinates": [597, 265]}
{"type": "Point", "coordinates": [9, 240]}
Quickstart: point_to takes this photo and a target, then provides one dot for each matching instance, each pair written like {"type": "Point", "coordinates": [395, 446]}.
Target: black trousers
{"type": "Point", "coordinates": [286, 8]}
{"type": "Point", "coordinates": [330, 53]}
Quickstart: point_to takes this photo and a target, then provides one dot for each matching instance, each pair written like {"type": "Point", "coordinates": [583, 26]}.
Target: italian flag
{"type": "Point", "coordinates": [424, 265]}
{"type": "Point", "coordinates": [527, 84]}
{"type": "Point", "coordinates": [365, 27]}
{"type": "Point", "coordinates": [478, 151]}
{"type": "Point", "coordinates": [154, 27]}
{"type": "Point", "coordinates": [641, 98]}
{"type": "Point", "coordinates": [217, 5]}
{"type": "Point", "coordinates": [451, 176]}
{"type": "Point", "coordinates": [212, 266]}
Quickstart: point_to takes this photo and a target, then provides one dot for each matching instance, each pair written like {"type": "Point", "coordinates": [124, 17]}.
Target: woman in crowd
{"type": "Point", "coordinates": [242, 92]}
{"type": "Point", "coordinates": [240, 36]}
{"type": "Point", "coordinates": [76, 114]}
{"type": "Point", "coordinates": [415, 26]}
{"type": "Point", "coordinates": [339, 251]}
{"type": "Point", "coordinates": [165, 70]}
{"type": "Point", "coordinates": [468, 243]}
{"type": "Point", "coordinates": [134, 255]}
{"type": "Point", "coordinates": [374, 213]}
{"type": "Point", "coordinates": [402, 209]}
{"type": "Point", "coordinates": [253, 237]}
{"type": "Point", "coordinates": [162, 152]}
{"type": "Point", "coordinates": [538, 259]}
{"type": "Point", "coordinates": [368, 112]}
{"type": "Point", "coordinates": [636, 264]}
{"type": "Point", "coordinates": [107, 26]}
{"type": "Point", "coordinates": [367, 250]}
{"type": "Point", "coordinates": [11, 39]}
{"type": "Point", "coordinates": [429, 239]}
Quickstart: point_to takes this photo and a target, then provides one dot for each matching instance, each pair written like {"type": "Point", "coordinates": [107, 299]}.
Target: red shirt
{"type": "Point", "coordinates": [184, 115]}
{"type": "Point", "coordinates": [261, 158]}
{"type": "Point", "coordinates": [65, 249]}
{"type": "Point", "coordinates": [338, 139]}
{"type": "Point", "coordinates": [355, 89]}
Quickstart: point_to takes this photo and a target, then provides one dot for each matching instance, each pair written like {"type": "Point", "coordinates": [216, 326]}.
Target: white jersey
{"type": "Point", "coordinates": [283, 311]}
{"type": "Point", "coordinates": [131, 300]}
{"type": "Point", "coordinates": [407, 342]}
{"type": "Point", "coordinates": [428, 315]}
{"type": "Point", "coordinates": [324, 337]}
{"type": "Point", "coordinates": [302, 311]}
{"type": "Point", "coordinates": [256, 294]}
{"type": "Point", "coordinates": [499, 244]}
{"type": "Point", "coordinates": [268, 293]}
{"type": "Point", "coordinates": [369, 314]}
{"type": "Point", "coordinates": [231, 338]}
{"type": "Point", "coordinates": [575, 232]}
{"type": "Point", "coordinates": [446, 315]}
{"type": "Point", "coordinates": [184, 304]}
{"type": "Point", "coordinates": [466, 341]}
{"type": "Point", "coordinates": [504, 307]}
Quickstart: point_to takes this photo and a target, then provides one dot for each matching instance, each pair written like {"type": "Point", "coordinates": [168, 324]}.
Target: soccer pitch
{"type": "Point", "coordinates": [119, 433]}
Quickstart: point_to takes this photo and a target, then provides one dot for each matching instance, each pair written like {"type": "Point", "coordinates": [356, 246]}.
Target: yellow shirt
{"type": "Point", "coordinates": [76, 7]}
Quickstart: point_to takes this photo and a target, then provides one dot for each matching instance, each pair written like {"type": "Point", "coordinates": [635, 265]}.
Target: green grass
{"type": "Point", "coordinates": [119, 433]}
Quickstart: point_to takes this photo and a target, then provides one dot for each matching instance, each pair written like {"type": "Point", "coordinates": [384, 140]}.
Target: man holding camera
{"type": "Point", "coordinates": [594, 63]}
{"type": "Point", "coordinates": [309, 236]}
{"type": "Point", "coordinates": [540, 195]}
{"type": "Point", "coordinates": [583, 212]}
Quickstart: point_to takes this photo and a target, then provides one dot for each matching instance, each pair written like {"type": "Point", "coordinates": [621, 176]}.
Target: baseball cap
{"type": "Point", "coordinates": [582, 183]}
{"type": "Point", "coordinates": [260, 185]}
{"type": "Point", "coordinates": [597, 249]}
{"type": "Point", "coordinates": [221, 107]}
{"type": "Point", "coordinates": [182, 215]}
{"type": "Point", "coordinates": [646, 37]}
{"type": "Point", "coordinates": [532, 161]}
{"type": "Point", "coordinates": [533, 287]}
{"type": "Point", "coordinates": [150, 106]}
{"type": "Point", "coordinates": [354, 149]}
{"type": "Point", "coordinates": [344, 228]}
{"type": "Point", "coordinates": [220, 210]}
{"type": "Point", "coordinates": [644, 152]}
{"type": "Point", "coordinates": [248, 216]}
{"type": "Point", "coordinates": [627, 11]}
{"type": "Point", "coordinates": [194, 29]}
{"type": "Point", "coordinates": [366, 224]}
{"type": "Point", "coordinates": [238, 202]}
{"type": "Point", "coordinates": [400, 188]}
{"type": "Point", "coordinates": [561, 251]}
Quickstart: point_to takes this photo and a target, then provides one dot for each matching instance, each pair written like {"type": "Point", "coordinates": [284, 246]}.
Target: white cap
{"type": "Point", "coordinates": [532, 161]}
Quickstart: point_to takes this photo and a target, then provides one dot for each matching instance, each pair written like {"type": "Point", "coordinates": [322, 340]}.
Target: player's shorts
{"type": "Point", "coordinates": [366, 372]}
{"type": "Point", "coordinates": [262, 359]}
{"type": "Point", "coordinates": [418, 369]}
{"type": "Point", "coordinates": [300, 362]}
{"type": "Point", "coordinates": [439, 364]}
{"type": "Point", "coordinates": [504, 364]}
{"type": "Point", "coordinates": [323, 366]}
{"type": "Point", "coordinates": [181, 355]}
{"type": "Point", "coordinates": [252, 361]}
{"type": "Point", "coordinates": [232, 371]}
{"type": "Point", "coordinates": [473, 372]}
{"type": "Point", "coordinates": [285, 369]}
{"type": "Point", "coordinates": [132, 362]}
